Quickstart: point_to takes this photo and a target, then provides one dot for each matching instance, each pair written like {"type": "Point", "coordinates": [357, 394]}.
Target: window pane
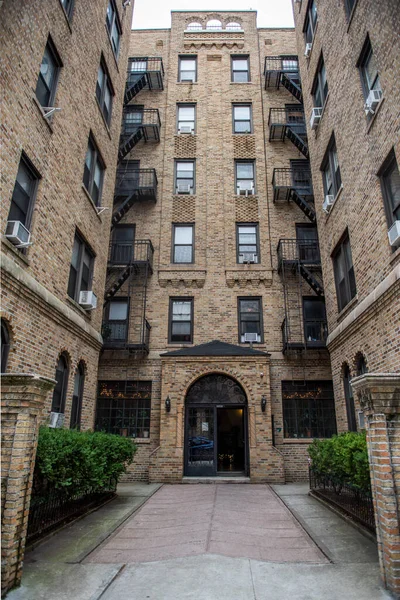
{"type": "Point", "coordinates": [244, 170]}
{"type": "Point", "coordinates": [188, 65]}
{"type": "Point", "coordinates": [186, 113]}
{"type": "Point", "coordinates": [48, 68]}
{"type": "Point", "coordinates": [371, 70]}
{"type": "Point", "coordinates": [118, 311]}
{"type": "Point", "coordinates": [183, 254]}
{"type": "Point", "coordinates": [124, 234]}
{"type": "Point", "coordinates": [249, 306]}
{"type": "Point", "coordinates": [242, 112]}
{"type": "Point", "coordinates": [240, 64]}
{"type": "Point", "coordinates": [314, 309]}
{"type": "Point", "coordinates": [139, 65]}
{"type": "Point", "coordinates": [240, 76]}
{"type": "Point", "coordinates": [183, 235]}
{"type": "Point", "coordinates": [393, 184]}
{"type": "Point", "coordinates": [184, 169]}
{"type": "Point", "coordinates": [100, 82]}
{"type": "Point", "coordinates": [181, 329]}
{"type": "Point", "coordinates": [181, 310]}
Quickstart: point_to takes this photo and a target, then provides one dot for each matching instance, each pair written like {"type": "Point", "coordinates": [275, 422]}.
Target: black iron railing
{"type": "Point", "coordinates": [297, 179]}
{"type": "Point", "coordinates": [355, 503]}
{"type": "Point", "coordinates": [292, 117]}
{"type": "Point", "coordinates": [59, 506]}
{"type": "Point", "coordinates": [139, 252]}
{"type": "Point", "coordinates": [115, 331]}
{"type": "Point", "coordinates": [287, 64]}
{"type": "Point", "coordinates": [130, 180]}
{"type": "Point", "coordinates": [139, 65]}
{"type": "Point", "coordinates": [135, 119]}
{"type": "Point", "coordinates": [315, 332]}
{"type": "Point", "coordinates": [304, 251]}
{"type": "Point", "coordinates": [116, 335]}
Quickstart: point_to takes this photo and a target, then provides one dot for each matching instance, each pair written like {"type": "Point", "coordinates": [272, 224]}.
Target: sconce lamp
{"type": "Point", "coordinates": [168, 404]}
{"type": "Point", "coordinates": [263, 403]}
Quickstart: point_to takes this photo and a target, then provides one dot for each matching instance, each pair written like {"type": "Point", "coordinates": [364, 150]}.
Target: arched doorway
{"type": "Point", "coordinates": [216, 432]}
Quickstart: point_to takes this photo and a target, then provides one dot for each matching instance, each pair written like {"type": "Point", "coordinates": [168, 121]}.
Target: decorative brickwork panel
{"type": "Point", "coordinates": [183, 209]}
{"type": "Point", "coordinates": [244, 146]}
{"type": "Point", "coordinates": [246, 209]}
{"type": "Point", "coordinates": [185, 146]}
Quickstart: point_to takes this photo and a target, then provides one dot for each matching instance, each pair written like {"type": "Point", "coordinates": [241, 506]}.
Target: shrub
{"type": "Point", "coordinates": [79, 461]}
{"type": "Point", "coordinates": [344, 457]}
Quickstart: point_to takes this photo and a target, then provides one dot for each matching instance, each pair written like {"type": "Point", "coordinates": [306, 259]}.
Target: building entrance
{"type": "Point", "coordinates": [216, 440]}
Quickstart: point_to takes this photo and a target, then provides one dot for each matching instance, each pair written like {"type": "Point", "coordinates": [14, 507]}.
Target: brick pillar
{"type": "Point", "coordinates": [379, 396]}
{"type": "Point", "coordinates": [22, 403]}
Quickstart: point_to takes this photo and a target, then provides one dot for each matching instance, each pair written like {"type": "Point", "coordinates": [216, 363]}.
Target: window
{"type": "Point", "coordinates": [123, 408]}
{"type": "Point", "coordinates": [349, 5]}
{"type": "Point", "coordinates": [24, 193]}
{"type": "Point", "coordinates": [76, 409]}
{"type": "Point", "coordinates": [368, 69]}
{"type": "Point", "coordinates": [240, 69]}
{"type": "Point", "coordinates": [186, 118]}
{"type": "Point", "coordinates": [60, 389]}
{"type": "Point", "coordinates": [314, 316]}
{"type": "Point", "coordinates": [181, 320]}
{"type": "Point", "coordinates": [244, 175]}
{"type": "Point", "coordinates": [344, 273]}
{"type": "Point", "coordinates": [133, 119]}
{"type": "Point", "coordinates": [308, 409]}
{"type": "Point", "coordinates": [214, 24]}
{"type": "Point", "coordinates": [290, 64]}
{"type": "Point", "coordinates": [81, 269]}
{"type": "Point", "coordinates": [184, 177]}
{"type": "Point", "coordinates": [242, 118]}
{"type": "Point", "coordinates": [310, 22]}
{"type": "Point", "coordinates": [361, 364]}
{"type": "Point", "coordinates": [116, 321]}
{"type": "Point", "coordinates": [123, 239]}
{"type": "Point", "coordinates": [5, 345]}
{"type": "Point", "coordinates": [68, 6]}
{"type": "Point", "coordinates": [187, 68]}
{"type": "Point", "coordinates": [390, 182]}
{"type": "Point", "coordinates": [331, 171]}
{"type": "Point", "coordinates": [104, 91]}
{"type": "Point", "coordinates": [93, 173]}
{"type": "Point", "coordinates": [233, 27]}
{"type": "Point", "coordinates": [194, 27]}
{"type": "Point", "coordinates": [48, 75]}
{"type": "Point", "coordinates": [348, 394]}
{"type": "Point", "coordinates": [113, 26]}
{"type": "Point", "coordinates": [250, 320]}
{"type": "Point", "coordinates": [183, 244]}
{"type": "Point", "coordinates": [319, 89]}
{"type": "Point", "coordinates": [247, 242]}
{"type": "Point", "coordinates": [307, 243]}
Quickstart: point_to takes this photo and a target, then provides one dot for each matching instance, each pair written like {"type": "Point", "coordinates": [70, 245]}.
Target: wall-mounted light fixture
{"type": "Point", "coordinates": [168, 404]}
{"type": "Point", "coordinates": [263, 403]}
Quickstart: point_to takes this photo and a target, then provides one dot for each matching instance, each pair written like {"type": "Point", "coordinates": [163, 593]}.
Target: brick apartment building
{"type": "Point", "coordinates": [57, 178]}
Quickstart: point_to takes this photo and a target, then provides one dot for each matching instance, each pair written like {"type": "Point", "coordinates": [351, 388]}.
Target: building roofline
{"type": "Point", "coordinates": [213, 11]}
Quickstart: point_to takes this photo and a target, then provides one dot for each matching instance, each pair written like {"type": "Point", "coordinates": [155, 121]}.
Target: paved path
{"type": "Point", "coordinates": [248, 521]}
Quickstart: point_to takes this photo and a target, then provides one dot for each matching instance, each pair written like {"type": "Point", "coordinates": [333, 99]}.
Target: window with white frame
{"type": "Point", "coordinates": [184, 177]}
{"type": "Point", "coordinates": [186, 118]}
{"type": "Point", "coordinates": [244, 176]}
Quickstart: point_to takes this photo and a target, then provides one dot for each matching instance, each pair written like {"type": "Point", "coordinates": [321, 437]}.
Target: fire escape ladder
{"type": "Point", "coordinates": [132, 90]}
{"type": "Point", "coordinates": [302, 203]}
{"type": "Point", "coordinates": [312, 281]}
{"type": "Point", "coordinates": [119, 282]}
{"type": "Point", "coordinates": [297, 141]}
{"type": "Point", "coordinates": [131, 142]}
{"type": "Point", "coordinates": [123, 209]}
{"type": "Point", "coordinates": [292, 87]}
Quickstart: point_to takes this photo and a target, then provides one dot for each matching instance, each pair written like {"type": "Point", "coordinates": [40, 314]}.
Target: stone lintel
{"type": "Point", "coordinates": [378, 392]}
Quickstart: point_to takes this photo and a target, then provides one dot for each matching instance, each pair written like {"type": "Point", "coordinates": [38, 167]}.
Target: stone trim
{"type": "Point", "coordinates": [378, 393]}
{"type": "Point", "coordinates": [251, 276]}
{"type": "Point", "coordinates": [176, 278]}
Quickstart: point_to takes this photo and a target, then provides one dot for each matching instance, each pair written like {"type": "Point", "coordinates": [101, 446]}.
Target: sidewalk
{"type": "Point", "coordinates": [335, 560]}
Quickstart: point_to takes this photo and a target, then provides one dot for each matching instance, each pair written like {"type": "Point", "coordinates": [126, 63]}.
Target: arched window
{"type": "Point", "coordinates": [195, 27]}
{"type": "Point", "coordinates": [214, 24]}
{"type": "Point", "coordinates": [361, 365]}
{"type": "Point", "coordinates": [348, 394]}
{"type": "Point", "coordinates": [233, 27]}
{"type": "Point", "coordinates": [5, 345]}
{"type": "Point", "coordinates": [60, 390]}
{"type": "Point", "coordinates": [76, 409]}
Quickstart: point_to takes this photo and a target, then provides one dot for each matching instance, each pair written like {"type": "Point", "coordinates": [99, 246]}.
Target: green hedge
{"type": "Point", "coordinates": [79, 461]}
{"type": "Point", "coordinates": [343, 457]}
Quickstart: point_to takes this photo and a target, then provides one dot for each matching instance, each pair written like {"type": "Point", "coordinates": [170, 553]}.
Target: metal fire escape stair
{"type": "Point", "coordinates": [297, 141]}
{"type": "Point", "coordinates": [133, 90]}
{"type": "Point", "coordinates": [131, 142]}
{"type": "Point", "coordinates": [118, 283]}
{"type": "Point", "coordinates": [311, 280]}
{"type": "Point", "coordinates": [292, 87]}
{"type": "Point", "coordinates": [305, 206]}
{"type": "Point", "coordinates": [123, 209]}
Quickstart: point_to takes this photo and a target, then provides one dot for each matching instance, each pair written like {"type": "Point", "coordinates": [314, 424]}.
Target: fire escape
{"type": "Point", "coordinates": [130, 261]}
{"type": "Point", "coordinates": [299, 262]}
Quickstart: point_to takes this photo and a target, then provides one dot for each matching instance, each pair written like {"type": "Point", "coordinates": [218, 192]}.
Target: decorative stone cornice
{"type": "Point", "coordinates": [182, 279]}
{"type": "Point", "coordinates": [378, 392]}
{"type": "Point", "coordinates": [213, 44]}
{"type": "Point", "coordinates": [250, 276]}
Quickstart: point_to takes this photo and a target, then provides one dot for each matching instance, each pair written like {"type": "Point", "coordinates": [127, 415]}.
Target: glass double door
{"type": "Point", "coordinates": [215, 441]}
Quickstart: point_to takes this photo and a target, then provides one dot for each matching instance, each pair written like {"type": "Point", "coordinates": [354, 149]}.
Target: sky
{"type": "Point", "coordinates": [153, 14]}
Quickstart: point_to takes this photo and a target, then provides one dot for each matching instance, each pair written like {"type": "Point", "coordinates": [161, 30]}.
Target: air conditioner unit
{"type": "Point", "coordinates": [88, 300]}
{"type": "Point", "coordinates": [56, 420]}
{"type": "Point", "coordinates": [185, 129]}
{"type": "Point", "coordinates": [245, 189]}
{"type": "Point", "coordinates": [394, 234]}
{"type": "Point", "coordinates": [316, 115]}
{"type": "Point", "coordinates": [328, 202]}
{"type": "Point", "coordinates": [17, 233]}
{"type": "Point", "coordinates": [308, 49]}
{"type": "Point", "coordinates": [251, 337]}
{"type": "Point", "coordinates": [183, 188]}
{"type": "Point", "coordinates": [371, 103]}
{"type": "Point", "coordinates": [248, 257]}
{"type": "Point", "coordinates": [190, 80]}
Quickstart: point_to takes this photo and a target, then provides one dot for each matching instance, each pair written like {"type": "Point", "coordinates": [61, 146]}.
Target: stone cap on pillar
{"type": "Point", "coordinates": [20, 390]}
{"type": "Point", "coordinates": [378, 392]}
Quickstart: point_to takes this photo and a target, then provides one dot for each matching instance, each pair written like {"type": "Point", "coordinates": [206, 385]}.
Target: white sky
{"type": "Point", "coordinates": [153, 14]}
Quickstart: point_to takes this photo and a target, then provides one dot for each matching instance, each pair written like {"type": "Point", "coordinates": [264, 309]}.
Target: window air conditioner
{"type": "Point", "coordinates": [328, 202]}
{"type": "Point", "coordinates": [248, 257]}
{"type": "Point", "coordinates": [245, 189]}
{"type": "Point", "coordinates": [183, 188]}
{"type": "Point", "coordinates": [189, 80]}
{"type": "Point", "coordinates": [371, 103]}
{"type": "Point", "coordinates": [17, 233]}
{"type": "Point", "coordinates": [394, 234]}
{"type": "Point", "coordinates": [88, 300]}
{"type": "Point", "coordinates": [308, 49]}
{"type": "Point", "coordinates": [185, 129]}
{"type": "Point", "coordinates": [56, 420]}
{"type": "Point", "coordinates": [316, 115]}
{"type": "Point", "coordinates": [251, 337]}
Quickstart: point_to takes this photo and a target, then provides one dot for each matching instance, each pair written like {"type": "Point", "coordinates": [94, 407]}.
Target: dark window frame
{"type": "Point", "coordinates": [5, 344]}
{"type": "Point", "coordinates": [328, 164]}
{"type": "Point", "coordinates": [349, 400]}
{"type": "Point", "coordinates": [305, 416]}
{"type": "Point", "coordinates": [69, 9]}
{"type": "Point", "coordinates": [181, 59]}
{"type": "Point", "coordinates": [171, 321]}
{"type": "Point", "coordinates": [310, 24]}
{"type": "Point", "coordinates": [392, 210]}
{"type": "Point", "coordinates": [184, 160]}
{"type": "Point", "coordinates": [107, 320]}
{"type": "Point", "coordinates": [63, 358]}
{"type": "Point", "coordinates": [129, 408]}
{"type": "Point", "coordinates": [260, 321]}
{"type": "Point", "coordinates": [126, 258]}
{"type": "Point", "coordinates": [115, 22]}
{"type": "Point", "coordinates": [83, 247]}
{"type": "Point", "coordinates": [52, 50]}
{"type": "Point", "coordinates": [77, 399]}
{"type": "Point", "coordinates": [174, 244]}
{"type": "Point", "coordinates": [248, 105]}
{"type": "Point", "coordinates": [365, 57]}
{"type": "Point", "coordinates": [256, 225]}
{"type": "Point", "coordinates": [245, 57]}
{"type": "Point", "coordinates": [349, 6]}
{"type": "Point", "coordinates": [100, 97]}
{"type": "Point", "coordinates": [318, 86]}
{"type": "Point", "coordinates": [186, 105]}
{"type": "Point", "coordinates": [36, 177]}
{"type": "Point", "coordinates": [320, 342]}
{"type": "Point", "coordinates": [361, 364]}
{"type": "Point", "coordinates": [97, 159]}
{"type": "Point", "coordinates": [245, 161]}
{"type": "Point", "coordinates": [350, 287]}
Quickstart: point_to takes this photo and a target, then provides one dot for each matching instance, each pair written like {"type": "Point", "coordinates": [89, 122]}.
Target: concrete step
{"type": "Point", "coordinates": [232, 479]}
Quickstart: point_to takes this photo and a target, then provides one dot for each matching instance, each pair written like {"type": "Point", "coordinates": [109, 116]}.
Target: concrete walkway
{"type": "Point", "coordinates": [206, 542]}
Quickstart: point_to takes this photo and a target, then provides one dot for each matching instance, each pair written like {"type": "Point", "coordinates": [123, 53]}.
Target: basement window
{"type": "Point", "coordinates": [308, 409]}
{"type": "Point", "coordinates": [124, 408]}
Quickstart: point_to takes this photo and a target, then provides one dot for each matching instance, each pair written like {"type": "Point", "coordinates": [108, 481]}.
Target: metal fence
{"type": "Point", "coordinates": [355, 503]}
{"type": "Point", "coordinates": [58, 507]}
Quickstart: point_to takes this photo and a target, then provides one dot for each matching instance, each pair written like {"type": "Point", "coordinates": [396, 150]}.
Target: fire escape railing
{"type": "Point", "coordinates": [143, 73]}
{"type": "Point", "coordinates": [289, 122]}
